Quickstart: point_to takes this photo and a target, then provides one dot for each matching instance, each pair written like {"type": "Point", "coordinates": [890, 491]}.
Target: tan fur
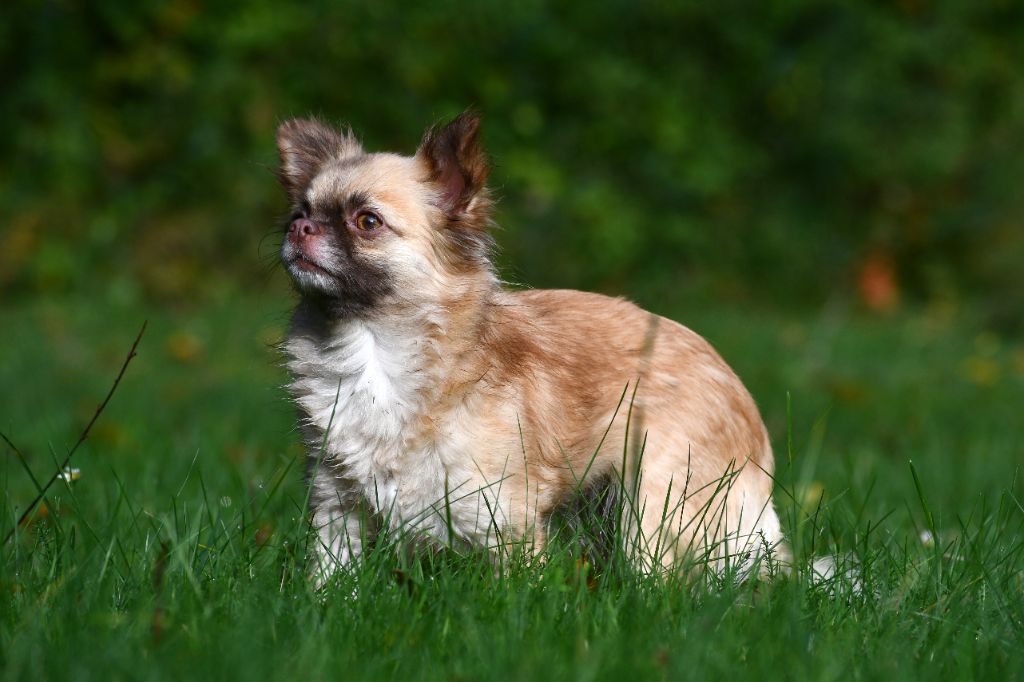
{"type": "Point", "coordinates": [452, 388]}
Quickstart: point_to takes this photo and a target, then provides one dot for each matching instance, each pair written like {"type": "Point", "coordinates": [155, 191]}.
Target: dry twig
{"type": "Point", "coordinates": [81, 438]}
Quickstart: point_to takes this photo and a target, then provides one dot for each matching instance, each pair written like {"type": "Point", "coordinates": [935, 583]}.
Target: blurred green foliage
{"type": "Point", "coordinates": [759, 151]}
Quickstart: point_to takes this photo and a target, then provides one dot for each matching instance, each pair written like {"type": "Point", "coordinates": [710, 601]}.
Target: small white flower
{"type": "Point", "coordinates": [70, 474]}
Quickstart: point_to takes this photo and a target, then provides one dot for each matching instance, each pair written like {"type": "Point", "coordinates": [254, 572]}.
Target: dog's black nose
{"type": "Point", "coordinates": [304, 227]}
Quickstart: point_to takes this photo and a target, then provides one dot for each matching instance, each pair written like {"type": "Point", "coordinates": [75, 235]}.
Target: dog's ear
{"type": "Point", "coordinates": [456, 163]}
{"type": "Point", "coordinates": [304, 145]}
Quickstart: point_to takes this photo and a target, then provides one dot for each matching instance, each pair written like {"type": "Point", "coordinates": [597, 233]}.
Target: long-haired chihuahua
{"type": "Point", "coordinates": [438, 403]}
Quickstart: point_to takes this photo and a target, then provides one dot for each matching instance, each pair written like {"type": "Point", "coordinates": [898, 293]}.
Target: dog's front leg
{"type": "Point", "coordinates": [338, 518]}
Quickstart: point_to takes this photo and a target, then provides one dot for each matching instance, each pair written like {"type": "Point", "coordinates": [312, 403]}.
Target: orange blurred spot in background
{"type": "Point", "coordinates": [877, 286]}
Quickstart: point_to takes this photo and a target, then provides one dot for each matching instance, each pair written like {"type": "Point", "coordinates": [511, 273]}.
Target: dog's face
{"type": "Point", "coordinates": [368, 230]}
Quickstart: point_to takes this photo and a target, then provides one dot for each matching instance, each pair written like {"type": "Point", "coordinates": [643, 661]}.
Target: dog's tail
{"type": "Point", "coordinates": [836, 573]}
{"type": "Point", "coordinates": [772, 557]}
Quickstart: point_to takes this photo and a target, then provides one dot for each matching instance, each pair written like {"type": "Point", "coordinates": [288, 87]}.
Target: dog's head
{"type": "Point", "coordinates": [370, 229]}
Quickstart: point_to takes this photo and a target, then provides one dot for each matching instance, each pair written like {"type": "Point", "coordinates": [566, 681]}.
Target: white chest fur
{"type": "Point", "coordinates": [368, 388]}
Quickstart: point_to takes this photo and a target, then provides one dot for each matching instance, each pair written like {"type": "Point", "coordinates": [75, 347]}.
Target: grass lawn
{"type": "Point", "coordinates": [180, 551]}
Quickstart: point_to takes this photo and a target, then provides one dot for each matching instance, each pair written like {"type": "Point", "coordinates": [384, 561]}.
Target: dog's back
{"type": "Point", "coordinates": [598, 385]}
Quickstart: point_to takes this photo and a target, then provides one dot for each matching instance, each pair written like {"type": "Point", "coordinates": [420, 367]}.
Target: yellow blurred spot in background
{"type": "Point", "coordinates": [271, 336]}
{"type": "Point", "coordinates": [981, 371]}
{"type": "Point", "coordinates": [1018, 361]}
{"type": "Point", "coordinates": [184, 346]}
{"type": "Point", "coordinates": [810, 495]}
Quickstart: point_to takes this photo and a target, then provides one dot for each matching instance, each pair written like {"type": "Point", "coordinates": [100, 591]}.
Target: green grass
{"type": "Point", "coordinates": [181, 550]}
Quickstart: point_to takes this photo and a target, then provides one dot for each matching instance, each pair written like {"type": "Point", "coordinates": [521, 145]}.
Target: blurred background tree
{"type": "Point", "coordinates": [771, 153]}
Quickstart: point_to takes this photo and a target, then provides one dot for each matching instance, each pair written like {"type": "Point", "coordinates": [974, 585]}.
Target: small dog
{"type": "Point", "coordinates": [437, 402]}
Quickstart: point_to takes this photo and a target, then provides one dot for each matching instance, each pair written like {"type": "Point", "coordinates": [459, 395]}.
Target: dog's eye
{"type": "Point", "coordinates": [368, 221]}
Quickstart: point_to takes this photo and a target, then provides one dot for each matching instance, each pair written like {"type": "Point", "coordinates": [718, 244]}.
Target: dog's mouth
{"type": "Point", "coordinates": [350, 284]}
{"type": "Point", "coordinates": [304, 263]}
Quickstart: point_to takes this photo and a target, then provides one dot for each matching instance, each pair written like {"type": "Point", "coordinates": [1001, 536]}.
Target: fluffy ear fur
{"type": "Point", "coordinates": [458, 168]}
{"type": "Point", "coordinates": [304, 145]}
{"type": "Point", "coordinates": [457, 163]}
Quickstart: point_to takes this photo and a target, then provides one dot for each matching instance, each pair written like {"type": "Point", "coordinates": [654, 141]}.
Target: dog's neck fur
{"type": "Point", "coordinates": [374, 382]}
{"type": "Point", "coordinates": [377, 392]}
